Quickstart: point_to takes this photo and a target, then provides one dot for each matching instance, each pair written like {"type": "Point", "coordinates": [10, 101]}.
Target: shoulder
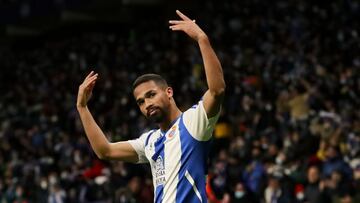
{"type": "Point", "coordinates": [197, 123]}
{"type": "Point", "coordinates": [196, 109]}
{"type": "Point", "coordinates": [147, 134]}
{"type": "Point", "coordinates": [150, 134]}
{"type": "Point", "coordinates": [198, 112]}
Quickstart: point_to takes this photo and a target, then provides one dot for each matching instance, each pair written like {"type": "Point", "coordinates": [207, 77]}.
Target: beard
{"type": "Point", "coordinates": [156, 117]}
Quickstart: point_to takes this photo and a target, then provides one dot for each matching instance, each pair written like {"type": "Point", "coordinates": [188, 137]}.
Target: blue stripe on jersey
{"type": "Point", "coordinates": [159, 151]}
{"type": "Point", "coordinates": [193, 161]}
{"type": "Point", "coordinates": [159, 190]}
{"type": "Point", "coordinates": [194, 106]}
{"type": "Point", "coordinates": [148, 137]}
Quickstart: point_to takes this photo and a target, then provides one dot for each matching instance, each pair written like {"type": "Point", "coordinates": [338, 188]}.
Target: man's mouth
{"type": "Point", "coordinates": [152, 111]}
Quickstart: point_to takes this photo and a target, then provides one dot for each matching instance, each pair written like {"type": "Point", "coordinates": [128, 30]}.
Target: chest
{"type": "Point", "coordinates": [160, 142]}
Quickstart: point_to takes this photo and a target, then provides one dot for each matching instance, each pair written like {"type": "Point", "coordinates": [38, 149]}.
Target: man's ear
{"type": "Point", "coordinates": [169, 92]}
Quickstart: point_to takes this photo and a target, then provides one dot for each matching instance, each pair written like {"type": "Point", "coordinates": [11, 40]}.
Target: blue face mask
{"type": "Point", "coordinates": [239, 194]}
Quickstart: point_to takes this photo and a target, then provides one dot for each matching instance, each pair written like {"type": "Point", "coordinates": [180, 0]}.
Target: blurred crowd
{"type": "Point", "coordinates": [289, 129]}
{"type": "Point", "coordinates": [13, 11]}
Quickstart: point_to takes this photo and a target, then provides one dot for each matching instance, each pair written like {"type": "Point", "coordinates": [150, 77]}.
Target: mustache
{"type": "Point", "coordinates": [150, 109]}
{"type": "Point", "coordinates": [158, 117]}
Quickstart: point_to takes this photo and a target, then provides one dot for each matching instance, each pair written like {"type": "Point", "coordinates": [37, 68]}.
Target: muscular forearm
{"type": "Point", "coordinates": [213, 70]}
{"type": "Point", "coordinates": [97, 139]}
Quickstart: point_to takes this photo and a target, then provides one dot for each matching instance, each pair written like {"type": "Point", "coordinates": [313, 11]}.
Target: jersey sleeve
{"type": "Point", "coordinates": [198, 124]}
{"type": "Point", "coordinates": [139, 146]}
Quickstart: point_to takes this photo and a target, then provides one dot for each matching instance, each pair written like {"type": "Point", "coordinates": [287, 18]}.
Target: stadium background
{"type": "Point", "coordinates": [290, 118]}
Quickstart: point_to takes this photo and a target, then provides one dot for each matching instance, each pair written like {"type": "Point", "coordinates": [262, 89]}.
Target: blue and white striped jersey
{"type": "Point", "coordinates": [178, 156]}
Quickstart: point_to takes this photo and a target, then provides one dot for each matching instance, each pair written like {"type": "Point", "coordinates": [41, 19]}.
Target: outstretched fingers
{"type": "Point", "coordinates": [90, 80]}
{"type": "Point", "coordinates": [176, 27]}
{"type": "Point", "coordinates": [91, 86]}
{"type": "Point", "coordinates": [90, 74]}
{"type": "Point", "coordinates": [182, 16]}
{"type": "Point", "coordinates": [176, 22]}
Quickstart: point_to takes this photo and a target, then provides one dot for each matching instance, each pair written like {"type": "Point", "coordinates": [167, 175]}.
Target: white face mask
{"type": "Point", "coordinates": [43, 184]}
{"type": "Point", "coordinates": [300, 195]}
{"type": "Point", "coordinates": [279, 160]}
{"type": "Point", "coordinates": [239, 194]}
{"type": "Point", "coordinates": [19, 192]}
{"type": "Point", "coordinates": [52, 179]}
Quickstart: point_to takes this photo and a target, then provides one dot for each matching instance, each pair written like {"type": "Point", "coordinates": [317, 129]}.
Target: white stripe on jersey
{"type": "Point", "coordinates": [172, 164]}
{"type": "Point", "coordinates": [192, 182]}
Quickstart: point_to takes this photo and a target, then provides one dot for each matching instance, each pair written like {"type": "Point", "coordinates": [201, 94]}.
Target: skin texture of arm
{"type": "Point", "coordinates": [103, 148]}
{"type": "Point", "coordinates": [213, 97]}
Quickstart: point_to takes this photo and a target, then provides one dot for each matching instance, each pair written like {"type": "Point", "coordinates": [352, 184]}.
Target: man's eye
{"type": "Point", "coordinates": [140, 103]}
{"type": "Point", "coordinates": [152, 95]}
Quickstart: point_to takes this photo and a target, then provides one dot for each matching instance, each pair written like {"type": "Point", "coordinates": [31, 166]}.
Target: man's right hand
{"type": "Point", "coordinates": [85, 89]}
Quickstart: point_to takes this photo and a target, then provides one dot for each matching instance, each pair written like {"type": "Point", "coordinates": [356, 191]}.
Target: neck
{"type": "Point", "coordinates": [173, 115]}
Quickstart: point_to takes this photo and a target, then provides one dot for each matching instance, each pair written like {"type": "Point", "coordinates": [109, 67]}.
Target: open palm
{"type": "Point", "coordinates": [85, 89]}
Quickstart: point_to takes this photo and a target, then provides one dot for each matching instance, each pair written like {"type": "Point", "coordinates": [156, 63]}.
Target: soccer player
{"type": "Point", "coordinates": [177, 151]}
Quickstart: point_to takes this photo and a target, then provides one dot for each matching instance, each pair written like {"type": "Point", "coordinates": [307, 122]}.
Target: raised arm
{"type": "Point", "coordinates": [213, 97]}
{"type": "Point", "coordinates": [103, 149]}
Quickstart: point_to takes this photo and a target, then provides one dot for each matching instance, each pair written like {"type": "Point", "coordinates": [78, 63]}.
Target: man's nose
{"type": "Point", "coordinates": [148, 104]}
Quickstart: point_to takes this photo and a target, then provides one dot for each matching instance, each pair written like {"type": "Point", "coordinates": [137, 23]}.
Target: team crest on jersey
{"type": "Point", "coordinates": [172, 132]}
{"type": "Point", "coordinates": [159, 171]}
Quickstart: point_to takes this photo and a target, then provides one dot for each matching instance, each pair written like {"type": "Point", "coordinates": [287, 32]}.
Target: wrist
{"type": "Point", "coordinates": [203, 38]}
{"type": "Point", "coordinates": [81, 107]}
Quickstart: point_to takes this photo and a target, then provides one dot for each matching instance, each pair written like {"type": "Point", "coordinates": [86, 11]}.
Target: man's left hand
{"type": "Point", "coordinates": [188, 26]}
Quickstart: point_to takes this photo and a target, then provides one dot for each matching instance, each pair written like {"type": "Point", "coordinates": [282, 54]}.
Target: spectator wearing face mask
{"type": "Point", "coordinates": [242, 195]}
